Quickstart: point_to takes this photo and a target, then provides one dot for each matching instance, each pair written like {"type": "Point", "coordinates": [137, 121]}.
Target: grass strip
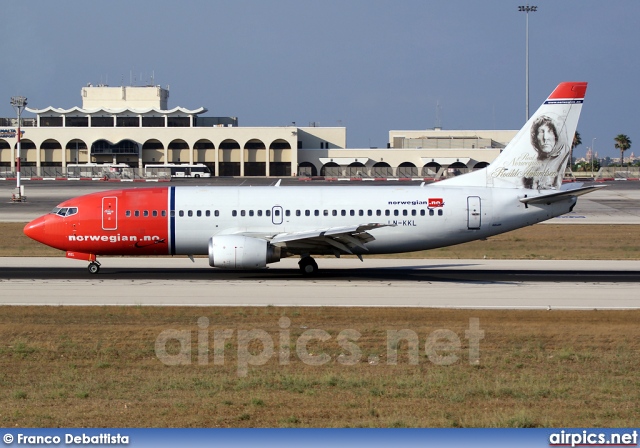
{"type": "Point", "coordinates": [97, 366]}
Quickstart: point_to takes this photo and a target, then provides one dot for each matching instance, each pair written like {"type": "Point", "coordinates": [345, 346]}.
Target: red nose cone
{"type": "Point", "coordinates": [36, 229]}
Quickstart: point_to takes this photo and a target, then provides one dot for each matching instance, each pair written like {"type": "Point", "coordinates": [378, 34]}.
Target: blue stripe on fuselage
{"type": "Point", "coordinates": [172, 219]}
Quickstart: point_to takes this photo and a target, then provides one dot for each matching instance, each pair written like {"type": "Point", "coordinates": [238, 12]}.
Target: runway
{"type": "Point", "coordinates": [472, 284]}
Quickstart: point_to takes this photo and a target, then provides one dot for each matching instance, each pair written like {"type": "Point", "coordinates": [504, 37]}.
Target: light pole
{"type": "Point", "coordinates": [527, 9]}
{"type": "Point", "coordinates": [593, 142]}
{"type": "Point", "coordinates": [18, 103]}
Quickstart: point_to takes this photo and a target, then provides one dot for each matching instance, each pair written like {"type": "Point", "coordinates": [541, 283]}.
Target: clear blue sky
{"type": "Point", "coordinates": [369, 65]}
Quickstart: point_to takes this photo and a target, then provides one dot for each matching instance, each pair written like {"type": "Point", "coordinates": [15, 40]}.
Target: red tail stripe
{"type": "Point", "coordinates": [569, 90]}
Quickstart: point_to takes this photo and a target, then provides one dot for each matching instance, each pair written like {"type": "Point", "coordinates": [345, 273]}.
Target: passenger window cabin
{"type": "Point", "coordinates": [147, 213]}
{"type": "Point", "coordinates": [276, 212]}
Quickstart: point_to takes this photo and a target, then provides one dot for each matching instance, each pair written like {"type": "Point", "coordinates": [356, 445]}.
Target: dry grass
{"type": "Point", "coordinates": [96, 366]}
{"type": "Point", "coordinates": [544, 241]}
{"type": "Point", "coordinates": [14, 243]}
{"type": "Point", "coordinates": [550, 242]}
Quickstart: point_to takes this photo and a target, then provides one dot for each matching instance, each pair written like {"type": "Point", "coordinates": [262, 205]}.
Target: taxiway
{"type": "Point", "coordinates": [488, 284]}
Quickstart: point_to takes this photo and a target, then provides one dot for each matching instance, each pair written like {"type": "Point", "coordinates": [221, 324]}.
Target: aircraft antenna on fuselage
{"type": "Point", "coordinates": [278, 183]}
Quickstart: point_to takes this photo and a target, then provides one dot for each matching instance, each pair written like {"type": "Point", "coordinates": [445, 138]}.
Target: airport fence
{"type": "Point", "coordinates": [77, 172]}
{"type": "Point", "coordinates": [618, 173]}
{"type": "Point", "coordinates": [383, 172]}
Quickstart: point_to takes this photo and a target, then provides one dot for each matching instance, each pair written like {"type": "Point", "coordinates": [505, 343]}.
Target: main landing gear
{"type": "Point", "coordinates": [308, 266]}
{"type": "Point", "coordinates": [94, 267]}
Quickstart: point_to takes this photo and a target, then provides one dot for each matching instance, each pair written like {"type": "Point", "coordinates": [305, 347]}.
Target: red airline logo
{"type": "Point", "coordinates": [436, 202]}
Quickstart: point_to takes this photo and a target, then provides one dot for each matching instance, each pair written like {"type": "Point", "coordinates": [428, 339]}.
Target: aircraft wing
{"type": "Point", "coordinates": [557, 196]}
{"type": "Point", "coordinates": [343, 238]}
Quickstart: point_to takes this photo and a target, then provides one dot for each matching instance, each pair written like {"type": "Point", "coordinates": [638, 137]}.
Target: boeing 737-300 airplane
{"type": "Point", "coordinates": [250, 227]}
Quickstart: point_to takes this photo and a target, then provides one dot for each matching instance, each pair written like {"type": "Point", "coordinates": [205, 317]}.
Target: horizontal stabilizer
{"type": "Point", "coordinates": [560, 195]}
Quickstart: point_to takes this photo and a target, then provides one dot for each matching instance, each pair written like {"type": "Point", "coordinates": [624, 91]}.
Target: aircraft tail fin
{"type": "Point", "coordinates": [537, 156]}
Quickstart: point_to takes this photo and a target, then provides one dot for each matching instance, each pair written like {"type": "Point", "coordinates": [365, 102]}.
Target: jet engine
{"type": "Point", "coordinates": [241, 252]}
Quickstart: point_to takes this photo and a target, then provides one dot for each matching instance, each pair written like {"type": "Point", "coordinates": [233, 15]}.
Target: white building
{"type": "Point", "coordinates": [133, 125]}
{"type": "Point", "coordinates": [432, 153]}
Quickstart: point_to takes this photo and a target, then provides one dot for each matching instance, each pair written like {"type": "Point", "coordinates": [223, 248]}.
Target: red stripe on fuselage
{"type": "Point", "coordinates": [135, 231]}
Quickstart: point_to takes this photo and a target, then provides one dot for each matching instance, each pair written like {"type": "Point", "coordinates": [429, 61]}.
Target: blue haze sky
{"type": "Point", "coordinates": [371, 66]}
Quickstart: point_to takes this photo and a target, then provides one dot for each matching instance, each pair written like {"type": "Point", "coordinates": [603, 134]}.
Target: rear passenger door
{"type": "Point", "coordinates": [474, 216]}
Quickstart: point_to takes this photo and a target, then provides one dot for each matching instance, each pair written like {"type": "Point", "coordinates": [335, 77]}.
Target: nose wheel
{"type": "Point", "coordinates": [94, 267]}
{"type": "Point", "coordinates": [308, 266]}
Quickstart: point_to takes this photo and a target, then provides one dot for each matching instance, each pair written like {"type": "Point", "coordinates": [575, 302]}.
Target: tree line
{"type": "Point", "coordinates": [622, 143]}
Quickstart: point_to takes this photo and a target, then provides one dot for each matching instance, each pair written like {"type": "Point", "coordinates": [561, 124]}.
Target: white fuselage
{"type": "Point", "coordinates": [418, 217]}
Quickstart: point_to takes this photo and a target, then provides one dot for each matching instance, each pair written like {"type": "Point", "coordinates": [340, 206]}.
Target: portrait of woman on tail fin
{"type": "Point", "coordinates": [551, 156]}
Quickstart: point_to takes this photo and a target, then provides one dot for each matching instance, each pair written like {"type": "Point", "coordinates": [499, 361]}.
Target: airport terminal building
{"type": "Point", "coordinates": [134, 126]}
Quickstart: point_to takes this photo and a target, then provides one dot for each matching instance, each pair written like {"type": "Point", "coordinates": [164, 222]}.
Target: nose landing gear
{"type": "Point", "coordinates": [94, 267]}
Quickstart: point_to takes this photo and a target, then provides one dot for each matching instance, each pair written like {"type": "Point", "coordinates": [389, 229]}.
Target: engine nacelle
{"type": "Point", "coordinates": [241, 252]}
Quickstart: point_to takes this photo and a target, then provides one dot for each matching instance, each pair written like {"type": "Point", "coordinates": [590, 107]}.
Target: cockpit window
{"type": "Point", "coordinates": [64, 211]}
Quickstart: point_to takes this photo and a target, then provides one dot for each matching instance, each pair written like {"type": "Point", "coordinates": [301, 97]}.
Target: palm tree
{"type": "Point", "coordinates": [622, 143]}
{"type": "Point", "coordinates": [577, 141]}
